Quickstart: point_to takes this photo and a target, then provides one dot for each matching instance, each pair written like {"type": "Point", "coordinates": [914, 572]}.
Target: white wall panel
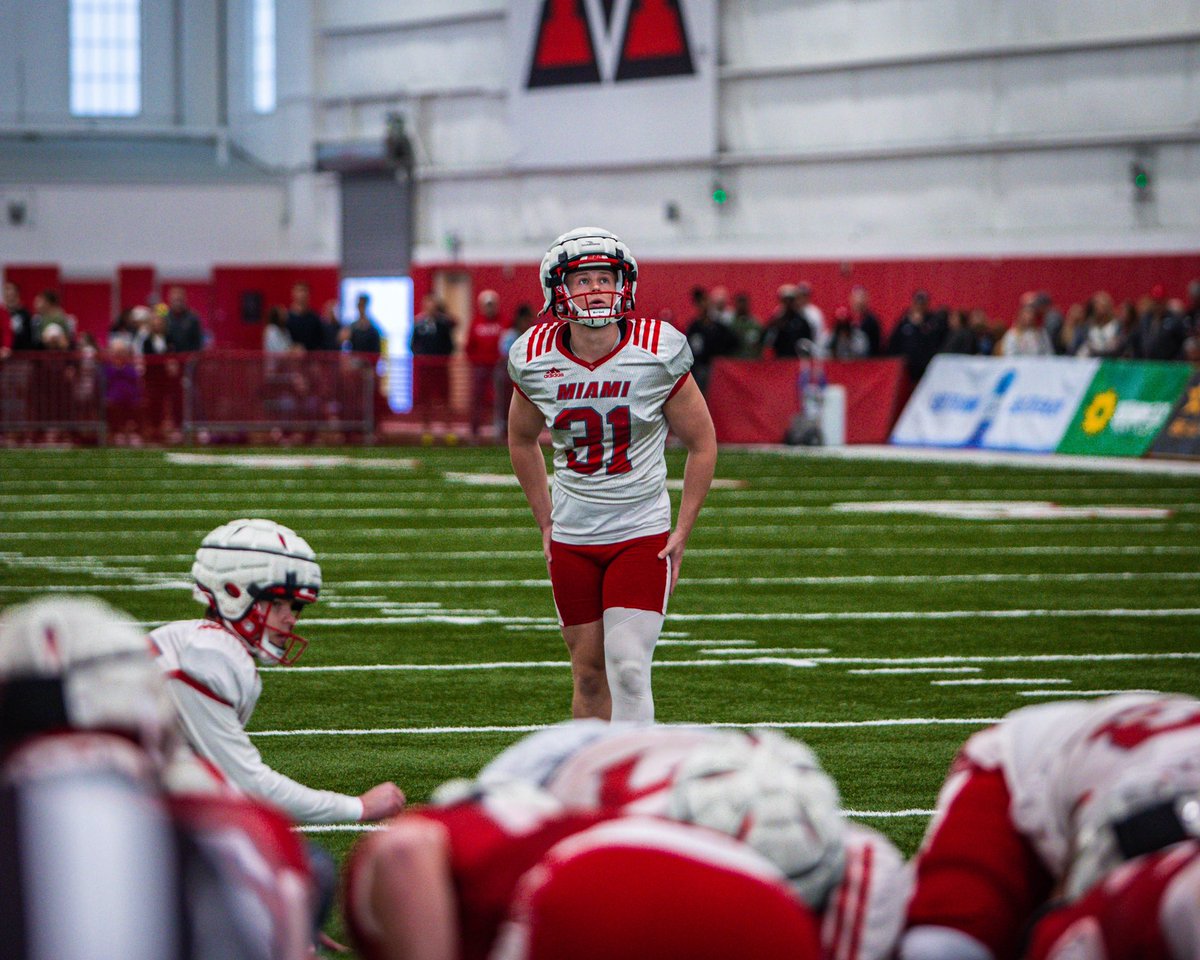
{"type": "Point", "coordinates": [356, 14]}
{"type": "Point", "coordinates": [425, 59]}
{"type": "Point", "coordinates": [182, 230]}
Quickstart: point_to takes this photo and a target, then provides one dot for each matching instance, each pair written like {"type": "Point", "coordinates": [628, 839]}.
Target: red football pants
{"type": "Point", "coordinates": [587, 580]}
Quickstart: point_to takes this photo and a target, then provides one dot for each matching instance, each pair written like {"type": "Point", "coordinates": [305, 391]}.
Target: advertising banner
{"type": "Point", "coordinates": [1125, 407]}
{"type": "Point", "coordinates": [1181, 436]}
{"type": "Point", "coordinates": [998, 403]}
{"type": "Point", "coordinates": [601, 82]}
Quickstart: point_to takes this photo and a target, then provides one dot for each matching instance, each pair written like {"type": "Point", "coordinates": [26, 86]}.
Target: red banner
{"type": "Point", "coordinates": [753, 401]}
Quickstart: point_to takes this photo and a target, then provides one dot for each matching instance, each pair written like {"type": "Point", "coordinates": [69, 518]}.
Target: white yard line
{"type": "Point", "coordinates": [530, 728]}
{"type": "Point", "coordinates": [373, 827]}
{"type": "Point", "coordinates": [998, 682]}
{"type": "Point", "coordinates": [873, 662]}
{"type": "Point", "coordinates": [877, 671]}
{"type": "Point", "coordinates": [1079, 693]}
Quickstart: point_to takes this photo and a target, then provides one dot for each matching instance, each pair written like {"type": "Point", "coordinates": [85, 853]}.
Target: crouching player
{"type": "Point", "coordinates": [97, 857]}
{"type": "Point", "coordinates": [1013, 815]}
{"type": "Point", "coordinates": [255, 577]}
{"type": "Point", "coordinates": [509, 875]}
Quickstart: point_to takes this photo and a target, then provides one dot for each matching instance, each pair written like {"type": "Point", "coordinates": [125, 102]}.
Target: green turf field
{"type": "Point", "coordinates": [882, 639]}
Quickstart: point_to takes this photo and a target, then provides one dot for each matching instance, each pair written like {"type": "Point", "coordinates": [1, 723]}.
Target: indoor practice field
{"type": "Point", "coordinates": [881, 638]}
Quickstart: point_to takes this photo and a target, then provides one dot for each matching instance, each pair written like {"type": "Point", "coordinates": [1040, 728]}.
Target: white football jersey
{"type": "Point", "coordinates": [865, 911]}
{"type": "Point", "coordinates": [1059, 757]}
{"type": "Point", "coordinates": [214, 684]}
{"type": "Point", "coordinates": [606, 421]}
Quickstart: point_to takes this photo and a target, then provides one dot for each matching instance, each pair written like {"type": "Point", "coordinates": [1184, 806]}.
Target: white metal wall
{"type": "Point", "coordinates": [848, 128]}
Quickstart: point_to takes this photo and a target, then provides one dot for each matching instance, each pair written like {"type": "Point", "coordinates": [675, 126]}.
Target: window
{"type": "Point", "coordinates": [262, 56]}
{"type": "Point", "coordinates": [106, 58]}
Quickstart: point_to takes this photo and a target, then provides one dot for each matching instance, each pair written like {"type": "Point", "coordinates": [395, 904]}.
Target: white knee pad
{"type": "Point", "coordinates": [629, 639]}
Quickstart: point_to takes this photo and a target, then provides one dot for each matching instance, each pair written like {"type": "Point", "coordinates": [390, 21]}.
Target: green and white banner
{"type": "Point", "coordinates": [1125, 407]}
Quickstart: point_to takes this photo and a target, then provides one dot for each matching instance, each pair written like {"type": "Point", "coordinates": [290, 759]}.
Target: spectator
{"type": "Point", "coordinates": [54, 337]}
{"type": "Point", "coordinates": [20, 319]}
{"type": "Point", "coordinates": [122, 392]}
{"type": "Point", "coordinates": [814, 315]}
{"type": "Point", "coordinates": [331, 326]}
{"type": "Point", "coordinates": [718, 306]}
{"type": "Point", "coordinates": [1103, 338]}
{"type": "Point", "coordinates": [522, 321]}
{"type": "Point", "coordinates": [431, 345]}
{"type": "Point", "coordinates": [960, 338]}
{"type": "Point", "coordinates": [48, 311]}
{"type": "Point", "coordinates": [848, 342]}
{"type": "Point", "coordinates": [123, 329]}
{"type": "Point", "coordinates": [985, 333]}
{"type": "Point", "coordinates": [483, 351]}
{"type": "Point", "coordinates": [276, 338]}
{"type": "Point", "coordinates": [917, 336]}
{"type": "Point", "coordinates": [1025, 338]}
{"type": "Point", "coordinates": [362, 335]}
{"type": "Point", "coordinates": [151, 338]}
{"type": "Point", "coordinates": [708, 340]}
{"type": "Point", "coordinates": [184, 333]}
{"type": "Point", "coordinates": [1049, 317]}
{"type": "Point", "coordinates": [747, 328]}
{"type": "Point", "coordinates": [1072, 333]}
{"type": "Point", "coordinates": [789, 333]}
{"type": "Point", "coordinates": [304, 326]}
{"type": "Point", "coordinates": [864, 318]}
{"type": "Point", "coordinates": [1192, 308]}
{"type": "Point", "coordinates": [1162, 328]}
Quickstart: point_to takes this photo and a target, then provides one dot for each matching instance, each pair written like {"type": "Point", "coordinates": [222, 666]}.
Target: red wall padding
{"type": "Point", "coordinates": [33, 278]}
{"type": "Point", "coordinates": [228, 327]}
{"type": "Point", "coordinates": [136, 286]}
{"type": "Point", "coordinates": [91, 302]}
{"type": "Point", "coordinates": [994, 284]}
{"type": "Point", "coordinates": [753, 401]}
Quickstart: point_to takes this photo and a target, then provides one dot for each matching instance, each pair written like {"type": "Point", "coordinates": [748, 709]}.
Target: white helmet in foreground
{"type": "Point", "coordinates": [587, 248]}
{"type": "Point", "coordinates": [770, 792]}
{"type": "Point", "coordinates": [242, 568]}
{"type": "Point", "coordinates": [1145, 811]}
{"type": "Point", "coordinates": [76, 663]}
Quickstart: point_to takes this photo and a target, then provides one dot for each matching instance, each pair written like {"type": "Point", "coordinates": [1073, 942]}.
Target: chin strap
{"type": "Point", "coordinates": [252, 630]}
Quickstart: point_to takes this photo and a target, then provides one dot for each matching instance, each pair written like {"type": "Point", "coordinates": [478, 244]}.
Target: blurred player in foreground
{"type": "Point", "coordinates": [255, 577]}
{"type": "Point", "coordinates": [1038, 802]}
{"type": "Point", "coordinates": [608, 387]}
{"type": "Point", "coordinates": [747, 838]}
{"type": "Point", "coordinates": [113, 842]}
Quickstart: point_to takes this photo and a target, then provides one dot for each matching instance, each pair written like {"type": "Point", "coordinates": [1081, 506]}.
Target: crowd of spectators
{"type": "Point", "coordinates": [141, 372]}
{"type": "Point", "coordinates": [1150, 327]}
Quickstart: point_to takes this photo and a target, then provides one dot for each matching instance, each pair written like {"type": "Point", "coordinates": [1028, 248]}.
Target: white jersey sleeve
{"type": "Point", "coordinates": [214, 685]}
{"type": "Point", "coordinates": [865, 912]}
{"type": "Point", "coordinates": [607, 424]}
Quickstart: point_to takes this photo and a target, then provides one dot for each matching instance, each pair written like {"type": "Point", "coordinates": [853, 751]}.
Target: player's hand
{"type": "Point", "coordinates": [546, 543]}
{"type": "Point", "coordinates": [674, 549]}
{"type": "Point", "coordinates": [381, 801]}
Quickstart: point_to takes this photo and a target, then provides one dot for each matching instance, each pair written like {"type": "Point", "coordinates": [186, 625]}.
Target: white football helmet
{"type": "Point", "coordinates": [244, 566]}
{"type": "Point", "coordinates": [77, 663]}
{"type": "Point", "coordinates": [770, 792]}
{"type": "Point", "coordinates": [1148, 809]}
{"type": "Point", "coordinates": [581, 249]}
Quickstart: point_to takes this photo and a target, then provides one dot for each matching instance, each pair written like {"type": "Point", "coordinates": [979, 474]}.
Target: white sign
{"type": "Point", "coordinates": [612, 81]}
{"type": "Point", "coordinates": [998, 403]}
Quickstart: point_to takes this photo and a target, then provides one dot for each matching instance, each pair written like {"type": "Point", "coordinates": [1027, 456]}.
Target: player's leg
{"type": "Point", "coordinates": [636, 586]}
{"type": "Point", "coordinates": [575, 576]}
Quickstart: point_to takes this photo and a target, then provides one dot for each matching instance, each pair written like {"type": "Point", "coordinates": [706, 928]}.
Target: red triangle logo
{"type": "Point", "coordinates": [655, 42]}
{"type": "Point", "coordinates": [563, 53]}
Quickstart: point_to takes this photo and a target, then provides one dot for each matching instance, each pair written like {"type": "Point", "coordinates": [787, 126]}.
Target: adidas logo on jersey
{"type": "Point", "coordinates": [553, 373]}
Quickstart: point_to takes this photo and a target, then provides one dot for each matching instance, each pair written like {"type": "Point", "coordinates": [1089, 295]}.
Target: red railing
{"type": "Point", "coordinates": [51, 395]}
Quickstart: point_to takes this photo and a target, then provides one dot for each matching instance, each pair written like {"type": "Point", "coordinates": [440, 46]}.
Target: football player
{"type": "Point", "coordinates": [1133, 887]}
{"type": "Point", "coordinates": [254, 577]}
{"type": "Point", "coordinates": [1016, 799]}
{"type": "Point", "coordinates": [99, 858]}
{"type": "Point", "coordinates": [608, 387]}
{"type": "Point", "coordinates": [507, 874]}
{"type": "Point", "coordinates": [858, 886]}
